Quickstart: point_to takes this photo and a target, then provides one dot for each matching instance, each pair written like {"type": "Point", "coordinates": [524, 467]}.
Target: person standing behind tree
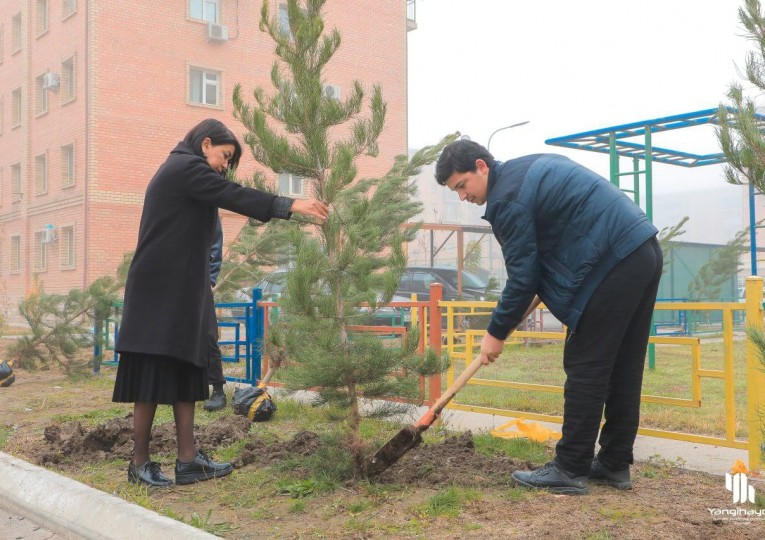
{"type": "Point", "coordinates": [215, 372]}
{"type": "Point", "coordinates": [574, 240]}
{"type": "Point", "coordinates": [165, 332]}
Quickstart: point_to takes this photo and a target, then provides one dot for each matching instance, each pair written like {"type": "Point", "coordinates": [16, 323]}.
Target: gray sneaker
{"type": "Point", "coordinates": [601, 474]}
{"type": "Point", "coordinates": [550, 476]}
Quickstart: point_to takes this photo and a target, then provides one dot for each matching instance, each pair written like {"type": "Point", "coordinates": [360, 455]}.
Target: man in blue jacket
{"type": "Point", "coordinates": [577, 243]}
{"type": "Point", "coordinates": [215, 370]}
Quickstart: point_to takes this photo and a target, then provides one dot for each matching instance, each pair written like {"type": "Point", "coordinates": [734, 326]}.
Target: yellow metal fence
{"type": "Point", "coordinates": [462, 343]}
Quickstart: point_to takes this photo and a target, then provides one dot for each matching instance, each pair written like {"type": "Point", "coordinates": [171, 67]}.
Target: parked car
{"type": "Point", "coordinates": [273, 285]}
{"type": "Point", "coordinates": [417, 279]}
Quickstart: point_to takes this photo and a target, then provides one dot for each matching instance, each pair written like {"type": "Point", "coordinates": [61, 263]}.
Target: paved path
{"type": "Point", "coordinates": [21, 528]}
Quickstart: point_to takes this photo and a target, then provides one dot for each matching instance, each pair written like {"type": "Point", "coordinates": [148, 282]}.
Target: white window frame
{"type": "Point", "coordinates": [291, 185]}
{"type": "Point", "coordinates": [14, 257]}
{"type": "Point", "coordinates": [40, 248]}
{"type": "Point", "coordinates": [17, 33]}
{"type": "Point", "coordinates": [42, 17]}
{"type": "Point", "coordinates": [68, 79]}
{"type": "Point", "coordinates": [66, 254]}
{"type": "Point", "coordinates": [41, 95]}
{"type": "Point", "coordinates": [207, 83]}
{"type": "Point", "coordinates": [68, 8]}
{"type": "Point", "coordinates": [41, 174]}
{"type": "Point", "coordinates": [16, 182]}
{"type": "Point", "coordinates": [204, 10]}
{"type": "Point", "coordinates": [68, 165]}
{"type": "Point", "coordinates": [17, 107]}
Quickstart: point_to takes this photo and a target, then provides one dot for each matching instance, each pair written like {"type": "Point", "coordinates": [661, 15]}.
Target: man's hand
{"type": "Point", "coordinates": [491, 348]}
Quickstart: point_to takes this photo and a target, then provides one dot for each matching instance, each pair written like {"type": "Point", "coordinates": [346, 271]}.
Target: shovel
{"type": "Point", "coordinates": [411, 436]}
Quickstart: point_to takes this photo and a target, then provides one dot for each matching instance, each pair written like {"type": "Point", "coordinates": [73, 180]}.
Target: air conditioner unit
{"type": "Point", "coordinates": [50, 81]}
{"type": "Point", "coordinates": [217, 32]}
{"type": "Point", "coordinates": [332, 91]}
{"type": "Point", "coordinates": [48, 234]}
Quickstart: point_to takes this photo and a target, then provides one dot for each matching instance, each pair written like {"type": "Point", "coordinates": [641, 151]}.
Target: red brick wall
{"type": "Point", "coordinates": [131, 108]}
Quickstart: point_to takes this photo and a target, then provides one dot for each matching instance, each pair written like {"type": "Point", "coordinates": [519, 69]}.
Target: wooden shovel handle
{"type": "Point", "coordinates": [450, 392]}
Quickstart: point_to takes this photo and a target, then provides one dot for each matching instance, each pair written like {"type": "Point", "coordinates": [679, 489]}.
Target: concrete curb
{"type": "Point", "coordinates": [75, 510]}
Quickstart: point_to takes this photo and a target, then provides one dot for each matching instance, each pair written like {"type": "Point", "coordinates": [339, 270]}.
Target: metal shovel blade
{"type": "Point", "coordinates": [400, 444]}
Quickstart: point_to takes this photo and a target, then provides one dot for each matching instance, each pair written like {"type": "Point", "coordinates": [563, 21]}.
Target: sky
{"type": "Point", "coordinates": [569, 66]}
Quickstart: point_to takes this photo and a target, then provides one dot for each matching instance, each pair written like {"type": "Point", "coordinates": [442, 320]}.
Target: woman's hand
{"type": "Point", "coordinates": [311, 207]}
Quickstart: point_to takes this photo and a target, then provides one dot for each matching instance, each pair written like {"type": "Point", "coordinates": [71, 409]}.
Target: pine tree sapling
{"type": "Point", "coordinates": [61, 325]}
{"type": "Point", "coordinates": [356, 257]}
{"type": "Point", "coordinates": [740, 132]}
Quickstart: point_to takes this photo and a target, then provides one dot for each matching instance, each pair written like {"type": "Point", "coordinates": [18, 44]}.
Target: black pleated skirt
{"type": "Point", "coordinates": [151, 378]}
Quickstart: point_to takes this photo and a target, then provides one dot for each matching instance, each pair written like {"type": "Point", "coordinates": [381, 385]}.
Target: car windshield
{"type": "Point", "coordinates": [472, 281]}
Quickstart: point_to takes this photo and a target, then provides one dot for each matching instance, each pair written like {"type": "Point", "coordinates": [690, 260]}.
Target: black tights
{"type": "Point", "coordinates": [143, 418]}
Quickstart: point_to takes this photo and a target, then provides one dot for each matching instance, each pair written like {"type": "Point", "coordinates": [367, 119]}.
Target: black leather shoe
{"type": "Point", "coordinates": [199, 469]}
{"type": "Point", "coordinates": [551, 477]}
{"type": "Point", "coordinates": [216, 402]}
{"type": "Point", "coordinates": [602, 474]}
{"type": "Point", "coordinates": [148, 474]}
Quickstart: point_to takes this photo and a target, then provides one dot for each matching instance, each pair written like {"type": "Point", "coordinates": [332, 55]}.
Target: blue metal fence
{"type": "Point", "coordinates": [246, 319]}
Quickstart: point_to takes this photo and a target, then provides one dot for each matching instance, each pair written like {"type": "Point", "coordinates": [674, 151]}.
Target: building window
{"type": "Point", "coordinates": [67, 80]}
{"type": "Point", "coordinates": [284, 20]}
{"type": "Point", "coordinates": [41, 17]}
{"type": "Point", "coordinates": [40, 252]}
{"type": "Point", "coordinates": [204, 10]}
{"type": "Point", "coordinates": [17, 36]}
{"type": "Point", "coordinates": [291, 185]}
{"type": "Point", "coordinates": [16, 105]}
{"type": "Point", "coordinates": [16, 182]}
{"type": "Point", "coordinates": [15, 255]}
{"type": "Point", "coordinates": [41, 96]}
{"type": "Point", "coordinates": [451, 212]}
{"type": "Point", "coordinates": [41, 174]}
{"type": "Point", "coordinates": [68, 7]}
{"type": "Point", "coordinates": [67, 165]}
{"type": "Point", "coordinates": [204, 87]}
{"type": "Point", "coordinates": [66, 247]}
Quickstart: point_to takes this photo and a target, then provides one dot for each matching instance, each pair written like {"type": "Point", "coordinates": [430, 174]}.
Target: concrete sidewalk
{"type": "Point", "coordinates": [35, 498]}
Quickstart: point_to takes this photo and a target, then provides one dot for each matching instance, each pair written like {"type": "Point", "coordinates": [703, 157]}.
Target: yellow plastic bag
{"type": "Point", "coordinates": [531, 430]}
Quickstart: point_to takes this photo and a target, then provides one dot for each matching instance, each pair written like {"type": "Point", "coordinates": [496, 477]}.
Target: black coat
{"type": "Point", "coordinates": [168, 301]}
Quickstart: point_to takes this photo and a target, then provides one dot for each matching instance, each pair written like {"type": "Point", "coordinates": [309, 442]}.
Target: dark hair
{"type": "Point", "coordinates": [460, 156]}
{"type": "Point", "coordinates": [218, 134]}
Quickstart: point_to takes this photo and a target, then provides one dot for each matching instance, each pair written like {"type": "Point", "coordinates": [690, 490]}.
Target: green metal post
{"type": "Point", "coordinates": [636, 180]}
{"type": "Point", "coordinates": [649, 213]}
{"type": "Point", "coordinates": [614, 159]}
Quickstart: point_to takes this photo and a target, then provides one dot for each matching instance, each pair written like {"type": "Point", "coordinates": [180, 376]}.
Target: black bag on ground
{"type": "Point", "coordinates": [6, 374]}
{"type": "Point", "coordinates": [254, 403]}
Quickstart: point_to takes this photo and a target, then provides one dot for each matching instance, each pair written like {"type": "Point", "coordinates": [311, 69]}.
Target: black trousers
{"type": "Point", "coordinates": [215, 367]}
{"type": "Point", "coordinates": [604, 360]}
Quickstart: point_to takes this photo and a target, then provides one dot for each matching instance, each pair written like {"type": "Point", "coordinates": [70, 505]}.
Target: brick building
{"type": "Point", "coordinates": [95, 93]}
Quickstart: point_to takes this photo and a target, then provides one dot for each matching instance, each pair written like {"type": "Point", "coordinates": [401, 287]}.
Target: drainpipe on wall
{"type": "Point", "coordinates": [86, 201]}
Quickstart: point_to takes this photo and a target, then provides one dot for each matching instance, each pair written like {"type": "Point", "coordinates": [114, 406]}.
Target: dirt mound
{"type": "Point", "coordinates": [114, 439]}
{"type": "Point", "coordinates": [453, 461]}
{"type": "Point", "coordinates": [304, 443]}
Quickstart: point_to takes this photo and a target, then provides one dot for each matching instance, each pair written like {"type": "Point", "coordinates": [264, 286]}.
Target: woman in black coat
{"type": "Point", "coordinates": [163, 338]}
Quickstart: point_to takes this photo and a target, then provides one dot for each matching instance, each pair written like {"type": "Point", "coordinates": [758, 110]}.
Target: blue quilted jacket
{"type": "Point", "coordinates": [562, 229]}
